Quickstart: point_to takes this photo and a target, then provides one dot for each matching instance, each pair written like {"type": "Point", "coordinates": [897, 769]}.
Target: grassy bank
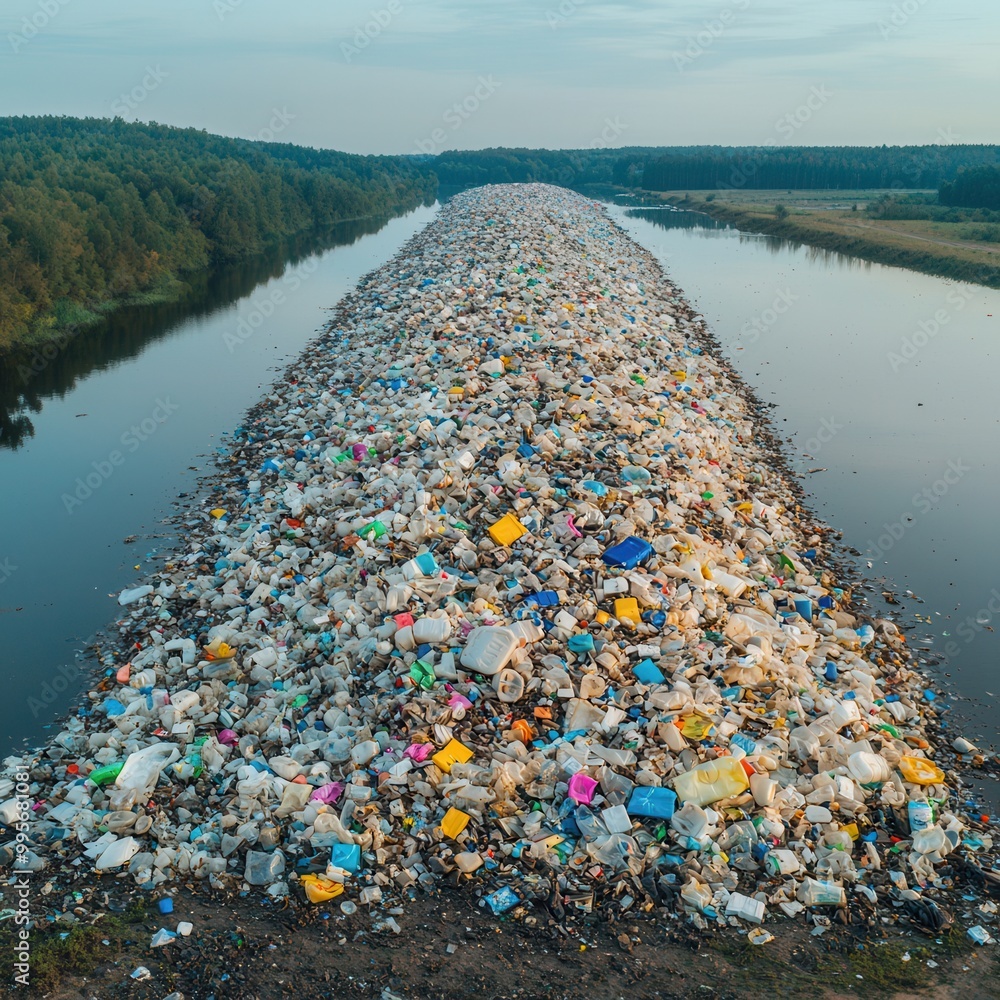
{"type": "Point", "coordinates": [831, 221]}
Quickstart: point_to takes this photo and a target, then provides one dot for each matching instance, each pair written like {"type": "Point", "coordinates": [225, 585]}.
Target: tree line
{"type": "Point", "coordinates": [97, 211]}
{"type": "Point", "coordinates": [700, 168]}
{"type": "Point", "coordinates": [975, 188]}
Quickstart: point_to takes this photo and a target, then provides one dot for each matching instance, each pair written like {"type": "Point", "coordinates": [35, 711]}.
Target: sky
{"type": "Point", "coordinates": [404, 76]}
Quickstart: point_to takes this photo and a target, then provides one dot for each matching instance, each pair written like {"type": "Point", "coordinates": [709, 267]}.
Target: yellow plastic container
{"type": "Point", "coordinates": [454, 822]}
{"type": "Point", "coordinates": [711, 781]}
{"type": "Point", "coordinates": [627, 607]}
{"type": "Point", "coordinates": [697, 726]}
{"type": "Point", "coordinates": [507, 530]}
{"type": "Point", "coordinates": [920, 771]}
{"type": "Point", "coordinates": [453, 753]}
{"type": "Point", "coordinates": [320, 889]}
{"type": "Point", "coordinates": [602, 617]}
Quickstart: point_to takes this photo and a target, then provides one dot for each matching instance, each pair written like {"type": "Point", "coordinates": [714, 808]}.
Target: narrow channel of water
{"type": "Point", "coordinates": [98, 441]}
{"type": "Point", "coordinates": [884, 381]}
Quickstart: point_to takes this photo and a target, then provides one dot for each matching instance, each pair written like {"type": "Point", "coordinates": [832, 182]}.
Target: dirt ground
{"type": "Point", "coordinates": [448, 947]}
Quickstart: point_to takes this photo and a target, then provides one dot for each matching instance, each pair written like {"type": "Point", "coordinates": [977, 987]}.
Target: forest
{"type": "Point", "coordinates": [97, 212]}
{"type": "Point", "coordinates": [976, 188]}
{"type": "Point", "coordinates": [812, 168]}
{"type": "Point", "coordinates": [701, 168]}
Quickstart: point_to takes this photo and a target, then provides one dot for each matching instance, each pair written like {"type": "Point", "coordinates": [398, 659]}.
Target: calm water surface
{"type": "Point", "coordinates": [97, 442]}
{"type": "Point", "coordinates": [884, 379]}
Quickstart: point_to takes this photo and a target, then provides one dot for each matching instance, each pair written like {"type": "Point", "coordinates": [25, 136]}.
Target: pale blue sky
{"type": "Point", "coordinates": [549, 73]}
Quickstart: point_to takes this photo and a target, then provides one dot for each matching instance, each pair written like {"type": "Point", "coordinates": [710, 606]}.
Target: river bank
{"type": "Point", "coordinates": [29, 351]}
{"type": "Point", "coordinates": [846, 232]}
{"type": "Point", "coordinates": [404, 497]}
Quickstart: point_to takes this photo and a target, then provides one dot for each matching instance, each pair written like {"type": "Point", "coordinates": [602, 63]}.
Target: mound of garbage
{"type": "Point", "coordinates": [503, 584]}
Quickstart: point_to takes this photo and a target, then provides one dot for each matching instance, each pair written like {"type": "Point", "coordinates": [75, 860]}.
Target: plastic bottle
{"type": "Point", "coordinates": [127, 597]}
{"type": "Point", "coordinates": [920, 814]}
{"type": "Point", "coordinates": [100, 776]}
{"type": "Point", "coordinates": [815, 893]}
{"type": "Point", "coordinates": [432, 630]}
{"type": "Point", "coordinates": [867, 768]}
{"type": "Point", "coordinates": [690, 821]}
{"type": "Point", "coordinates": [118, 853]}
{"type": "Point", "coordinates": [489, 649]}
{"type": "Point", "coordinates": [509, 685]}
{"type": "Point", "coordinates": [264, 868]}
{"type": "Point", "coordinates": [711, 781]}
{"type": "Point", "coordinates": [781, 862]}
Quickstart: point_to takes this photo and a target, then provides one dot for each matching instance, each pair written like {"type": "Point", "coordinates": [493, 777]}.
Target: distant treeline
{"type": "Point", "coordinates": [94, 211]}
{"type": "Point", "coordinates": [701, 168]}
{"type": "Point", "coordinates": [813, 167]}
{"type": "Point", "coordinates": [567, 167]}
{"type": "Point", "coordinates": [976, 188]}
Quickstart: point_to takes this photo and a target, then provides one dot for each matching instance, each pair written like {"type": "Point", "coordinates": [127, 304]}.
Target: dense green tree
{"type": "Point", "coordinates": [97, 210]}
{"type": "Point", "coordinates": [978, 187]}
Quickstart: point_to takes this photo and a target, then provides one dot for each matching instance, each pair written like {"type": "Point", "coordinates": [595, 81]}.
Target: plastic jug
{"type": "Point", "coordinates": [781, 862]}
{"type": "Point", "coordinates": [814, 893]}
{"type": "Point", "coordinates": [711, 781]}
{"type": "Point", "coordinates": [690, 821]}
{"type": "Point", "coordinates": [432, 630]}
{"type": "Point", "coordinates": [656, 803]}
{"type": "Point", "coordinates": [867, 768]}
{"type": "Point", "coordinates": [141, 770]}
{"type": "Point", "coordinates": [489, 649]}
{"type": "Point", "coordinates": [509, 685]}
{"type": "Point", "coordinates": [118, 853]}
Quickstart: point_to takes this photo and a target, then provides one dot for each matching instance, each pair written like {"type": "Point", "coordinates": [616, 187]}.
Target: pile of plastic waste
{"type": "Point", "coordinates": [502, 584]}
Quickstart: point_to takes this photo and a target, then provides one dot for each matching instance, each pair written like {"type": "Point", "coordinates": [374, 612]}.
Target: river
{"type": "Point", "coordinates": [101, 439]}
{"type": "Point", "coordinates": [883, 378]}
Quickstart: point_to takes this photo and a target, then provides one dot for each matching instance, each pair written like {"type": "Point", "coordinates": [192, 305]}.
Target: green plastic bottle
{"type": "Point", "coordinates": [101, 776]}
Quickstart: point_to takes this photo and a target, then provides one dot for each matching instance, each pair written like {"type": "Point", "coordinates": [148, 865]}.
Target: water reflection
{"type": "Point", "coordinates": [30, 376]}
{"type": "Point", "coordinates": [669, 217]}
{"type": "Point", "coordinates": [675, 218]}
